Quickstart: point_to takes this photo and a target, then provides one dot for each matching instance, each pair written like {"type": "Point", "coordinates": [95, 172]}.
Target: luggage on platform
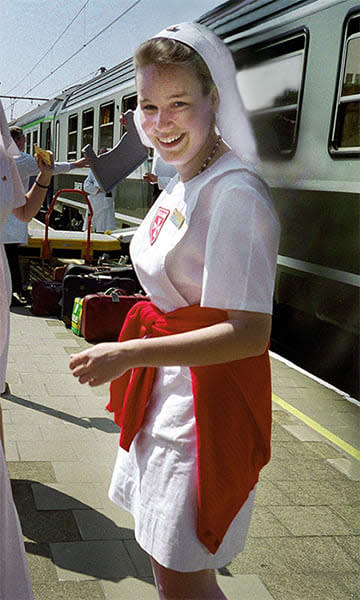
{"type": "Point", "coordinates": [83, 284]}
{"type": "Point", "coordinates": [118, 270]}
{"type": "Point", "coordinates": [46, 298]}
{"type": "Point", "coordinates": [124, 270]}
{"type": "Point", "coordinates": [76, 316]}
{"type": "Point", "coordinates": [59, 273]}
{"type": "Point", "coordinates": [103, 314]}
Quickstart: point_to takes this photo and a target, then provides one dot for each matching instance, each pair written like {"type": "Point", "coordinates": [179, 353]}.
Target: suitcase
{"type": "Point", "coordinates": [83, 284]}
{"type": "Point", "coordinates": [76, 316]}
{"type": "Point", "coordinates": [118, 270]}
{"type": "Point", "coordinates": [46, 297]}
{"type": "Point", "coordinates": [59, 273]}
{"type": "Point", "coordinates": [125, 270]}
{"type": "Point", "coordinates": [103, 315]}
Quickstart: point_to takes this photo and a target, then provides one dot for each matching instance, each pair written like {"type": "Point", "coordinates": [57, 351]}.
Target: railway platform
{"type": "Point", "coordinates": [304, 538]}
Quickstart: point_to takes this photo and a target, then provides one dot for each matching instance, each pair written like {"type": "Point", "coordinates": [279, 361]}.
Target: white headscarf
{"type": "Point", "coordinates": [231, 118]}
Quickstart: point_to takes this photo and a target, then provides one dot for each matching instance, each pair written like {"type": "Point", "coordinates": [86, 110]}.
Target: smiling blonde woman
{"type": "Point", "coordinates": [191, 377]}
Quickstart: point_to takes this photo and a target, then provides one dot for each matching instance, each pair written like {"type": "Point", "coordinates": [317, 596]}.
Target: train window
{"type": "Point", "coordinates": [128, 103]}
{"type": "Point", "coordinates": [28, 143]}
{"type": "Point", "coordinates": [345, 137]}
{"type": "Point", "coordinates": [72, 137]}
{"type": "Point", "coordinates": [87, 136]}
{"type": "Point", "coordinates": [270, 79]}
{"type": "Point", "coordinates": [106, 132]}
{"type": "Point", "coordinates": [35, 139]}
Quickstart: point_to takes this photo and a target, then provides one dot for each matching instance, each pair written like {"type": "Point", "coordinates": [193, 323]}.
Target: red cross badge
{"type": "Point", "coordinates": [157, 223]}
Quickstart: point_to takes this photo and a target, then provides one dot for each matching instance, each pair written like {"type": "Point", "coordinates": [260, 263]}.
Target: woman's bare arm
{"type": "Point", "coordinates": [36, 196]}
{"type": "Point", "coordinates": [245, 334]}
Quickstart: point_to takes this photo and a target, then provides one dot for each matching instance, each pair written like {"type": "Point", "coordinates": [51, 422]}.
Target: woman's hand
{"type": "Point", "coordinates": [36, 195]}
{"type": "Point", "coordinates": [100, 364]}
{"type": "Point", "coordinates": [44, 168]}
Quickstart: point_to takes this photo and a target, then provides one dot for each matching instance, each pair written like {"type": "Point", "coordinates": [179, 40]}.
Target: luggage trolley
{"type": "Point", "coordinates": [46, 252]}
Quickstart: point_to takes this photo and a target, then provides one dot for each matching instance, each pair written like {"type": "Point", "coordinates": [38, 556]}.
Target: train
{"type": "Point", "coordinates": [298, 70]}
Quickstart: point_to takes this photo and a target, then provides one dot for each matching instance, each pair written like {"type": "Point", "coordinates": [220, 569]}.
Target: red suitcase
{"type": "Point", "coordinates": [81, 285]}
{"type": "Point", "coordinates": [103, 315]}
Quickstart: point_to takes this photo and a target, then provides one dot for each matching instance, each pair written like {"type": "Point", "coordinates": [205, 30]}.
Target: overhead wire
{"type": "Point", "coordinates": [83, 46]}
{"type": "Point", "coordinates": [74, 83]}
{"type": "Point", "coordinates": [52, 46]}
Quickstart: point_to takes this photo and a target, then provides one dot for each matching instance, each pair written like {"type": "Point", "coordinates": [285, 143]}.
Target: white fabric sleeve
{"type": "Point", "coordinates": [19, 192]}
{"type": "Point", "coordinates": [28, 166]}
{"type": "Point", "coordinates": [91, 186]}
{"type": "Point", "coordinates": [241, 251]}
{"type": "Point", "coordinates": [62, 167]}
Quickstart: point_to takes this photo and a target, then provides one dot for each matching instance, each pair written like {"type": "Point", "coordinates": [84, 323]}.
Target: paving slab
{"type": "Point", "coordinates": [68, 496]}
{"type": "Point", "coordinates": [311, 520]}
{"type": "Point", "coordinates": [107, 560]}
{"type": "Point", "coordinates": [349, 467]}
{"type": "Point", "coordinates": [107, 523]}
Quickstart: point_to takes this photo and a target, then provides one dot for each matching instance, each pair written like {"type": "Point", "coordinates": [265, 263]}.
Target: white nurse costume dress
{"type": "Point", "coordinates": [212, 240]}
{"type": "Point", "coordinates": [14, 577]}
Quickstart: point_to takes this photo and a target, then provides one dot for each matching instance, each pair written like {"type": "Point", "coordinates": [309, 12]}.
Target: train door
{"type": "Point", "coordinates": [45, 135]}
{"type": "Point", "coordinates": [45, 142]}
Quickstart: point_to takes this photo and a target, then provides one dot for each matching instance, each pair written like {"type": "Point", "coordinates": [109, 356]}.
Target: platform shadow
{"type": "Point", "coordinates": [112, 554]}
{"type": "Point", "coordinates": [100, 423]}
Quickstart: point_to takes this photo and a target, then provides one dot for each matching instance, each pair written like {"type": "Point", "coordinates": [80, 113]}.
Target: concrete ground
{"type": "Point", "coordinates": [304, 539]}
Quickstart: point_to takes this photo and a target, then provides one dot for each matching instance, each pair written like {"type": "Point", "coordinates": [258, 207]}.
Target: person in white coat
{"type": "Point", "coordinates": [102, 204]}
{"type": "Point", "coordinates": [15, 581]}
{"type": "Point", "coordinates": [15, 232]}
{"type": "Point", "coordinates": [161, 172]}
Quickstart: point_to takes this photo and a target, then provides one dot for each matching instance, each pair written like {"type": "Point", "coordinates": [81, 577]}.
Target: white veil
{"type": "Point", "coordinates": [231, 118]}
{"type": "Point", "coordinates": [11, 194]}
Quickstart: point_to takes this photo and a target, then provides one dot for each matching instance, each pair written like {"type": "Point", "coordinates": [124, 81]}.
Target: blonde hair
{"type": "Point", "coordinates": [165, 51]}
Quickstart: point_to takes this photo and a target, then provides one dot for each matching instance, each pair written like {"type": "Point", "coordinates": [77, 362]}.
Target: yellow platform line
{"type": "Point", "coordinates": [317, 427]}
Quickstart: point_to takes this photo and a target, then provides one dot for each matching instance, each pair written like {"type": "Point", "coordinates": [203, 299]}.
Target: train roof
{"type": "Point", "coordinates": [237, 16]}
{"type": "Point", "coordinates": [42, 112]}
{"type": "Point", "coordinates": [111, 78]}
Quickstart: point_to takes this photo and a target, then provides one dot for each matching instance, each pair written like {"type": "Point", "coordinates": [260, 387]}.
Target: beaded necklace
{"type": "Point", "coordinates": [211, 156]}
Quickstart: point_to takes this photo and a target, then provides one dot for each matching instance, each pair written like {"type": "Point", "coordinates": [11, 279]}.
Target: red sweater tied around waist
{"type": "Point", "coordinates": [232, 406]}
